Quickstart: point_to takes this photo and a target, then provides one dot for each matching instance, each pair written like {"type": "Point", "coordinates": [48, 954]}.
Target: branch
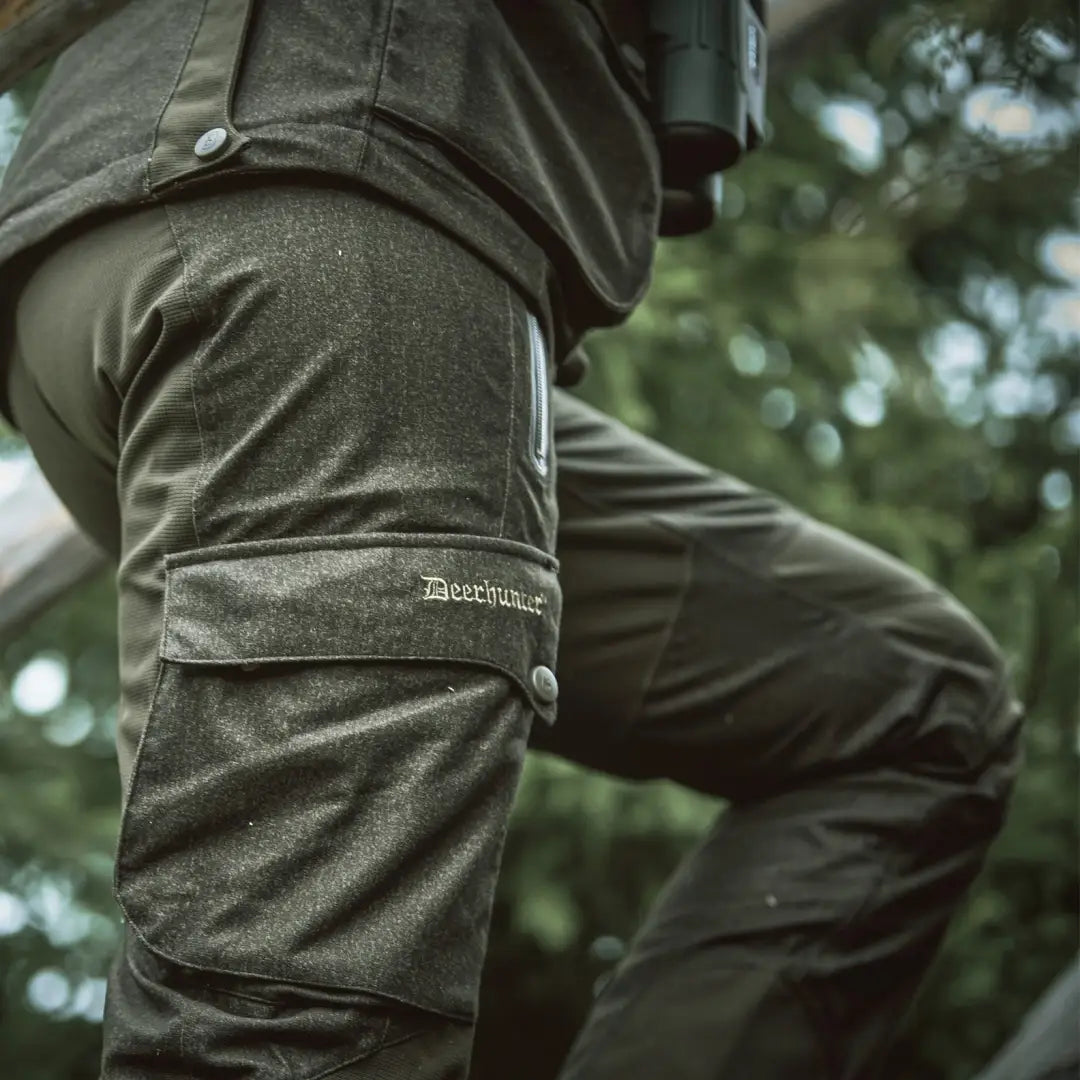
{"type": "Point", "coordinates": [43, 553]}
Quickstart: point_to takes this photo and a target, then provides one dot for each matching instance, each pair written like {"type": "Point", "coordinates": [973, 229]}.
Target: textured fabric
{"type": "Point", "coordinates": [518, 127]}
{"type": "Point", "coordinates": [858, 718]}
{"type": "Point", "coordinates": [334, 817]}
{"type": "Point", "coordinates": [297, 417]}
{"type": "Point", "coordinates": [361, 598]}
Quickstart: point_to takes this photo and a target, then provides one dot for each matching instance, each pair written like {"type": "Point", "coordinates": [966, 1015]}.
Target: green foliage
{"type": "Point", "coordinates": [58, 818]}
{"type": "Point", "coordinates": [887, 340]}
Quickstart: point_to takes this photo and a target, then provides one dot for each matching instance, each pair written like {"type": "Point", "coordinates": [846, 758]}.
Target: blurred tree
{"type": "Point", "coordinates": [881, 327]}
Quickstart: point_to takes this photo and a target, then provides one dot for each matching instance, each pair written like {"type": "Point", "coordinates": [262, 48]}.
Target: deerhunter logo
{"type": "Point", "coordinates": [437, 588]}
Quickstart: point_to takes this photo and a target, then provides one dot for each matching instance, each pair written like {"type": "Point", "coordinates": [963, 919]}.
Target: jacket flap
{"type": "Point", "coordinates": [385, 596]}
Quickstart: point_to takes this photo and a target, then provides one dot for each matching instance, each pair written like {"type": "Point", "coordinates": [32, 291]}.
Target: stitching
{"type": "Point", "coordinates": [163, 955]}
{"type": "Point", "coordinates": [203, 460]}
{"type": "Point", "coordinates": [513, 410]}
{"type": "Point", "coordinates": [135, 766]}
{"type": "Point", "coordinates": [382, 1045]}
{"type": "Point", "coordinates": [163, 637]}
{"type": "Point", "coordinates": [148, 185]}
{"type": "Point", "coordinates": [351, 544]}
{"type": "Point", "coordinates": [378, 87]}
{"type": "Point", "coordinates": [943, 662]}
{"type": "Point", "coordinates": [243, 46]}
{"type": "Point", "coordinates": [668, 635]}
{"type": "Point", "coordinates": [902, 646]}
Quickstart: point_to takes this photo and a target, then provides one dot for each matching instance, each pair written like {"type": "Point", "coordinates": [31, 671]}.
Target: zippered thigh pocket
{"type": "Point", "coordinates": [540, 424]}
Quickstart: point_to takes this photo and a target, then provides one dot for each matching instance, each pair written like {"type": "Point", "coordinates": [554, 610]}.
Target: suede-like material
{"type": "Point", "coordinates": [303, 423]}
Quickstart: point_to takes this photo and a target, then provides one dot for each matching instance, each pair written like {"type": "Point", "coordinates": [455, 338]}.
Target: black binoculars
{"type": "Point", "coordinates": [706, 72]}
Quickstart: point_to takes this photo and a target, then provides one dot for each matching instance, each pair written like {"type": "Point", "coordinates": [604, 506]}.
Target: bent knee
{"type": "Point", "coordinates": [964, 716]}
{"type": "Point", "coordinates": [968, 732]}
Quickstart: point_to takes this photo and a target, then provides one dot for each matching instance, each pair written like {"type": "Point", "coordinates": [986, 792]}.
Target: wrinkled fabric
{"type": "Point", "coordinates": [304, 424]}
{"type": "Point", "coordinates": [517, 127]}
{"type": "Point", "coordinates": [320, 737]}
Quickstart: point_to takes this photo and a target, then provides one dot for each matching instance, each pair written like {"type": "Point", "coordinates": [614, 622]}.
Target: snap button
{"type": "Point", "coordinates": [544, 683]}
{"type": "Point", "coordinates": [211, 142]}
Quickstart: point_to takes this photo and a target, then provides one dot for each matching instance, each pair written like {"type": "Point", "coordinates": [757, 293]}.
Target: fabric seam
{"type": "Point", "coordinates": [783, 589]}
{"type": "Point", "coordinates": [668, 635]}
{"type": "Point", "coordinates": [512, 410]}
{"type": "Point", "coordinates": [382, 1045]}
{"type": "Point", "coordinates": [136, 930]}
{"type": "Point", "coordinates": [243, 550]}
{"type": "Point", "coordinates": [148, 188]}
{"type": "Point", "coordinates": [375, 91]}
{"type": "Point", "coordinates": [192, 369]}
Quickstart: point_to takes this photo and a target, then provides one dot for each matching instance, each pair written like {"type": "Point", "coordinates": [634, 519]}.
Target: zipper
{"type": "Point", "coordinates": [538, 434]}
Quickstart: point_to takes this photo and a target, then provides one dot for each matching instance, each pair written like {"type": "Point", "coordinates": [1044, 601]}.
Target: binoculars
{"type": "Point", "coordinates": [706, 73]}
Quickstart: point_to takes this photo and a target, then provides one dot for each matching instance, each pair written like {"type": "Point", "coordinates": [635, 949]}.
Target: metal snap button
{"type": "Point", "coordinates": [211, 142]}
{"type": "Point", "coordinates": [544, 683]}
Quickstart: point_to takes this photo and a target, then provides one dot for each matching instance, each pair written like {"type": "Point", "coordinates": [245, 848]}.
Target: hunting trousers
{"type": "Point", "coordinates": [366, 556]}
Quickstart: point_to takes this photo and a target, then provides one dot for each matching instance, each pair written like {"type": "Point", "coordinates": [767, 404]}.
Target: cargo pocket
{"type": "Point", "coordinates": [321, 791]}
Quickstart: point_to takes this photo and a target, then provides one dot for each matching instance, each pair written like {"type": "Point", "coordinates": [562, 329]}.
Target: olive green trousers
{"type": "Point", "coordinates": [367, 556]}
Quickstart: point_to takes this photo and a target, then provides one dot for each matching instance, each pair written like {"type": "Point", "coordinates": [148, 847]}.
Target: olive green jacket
{"type": "Point", "coordinates": [515, 124]}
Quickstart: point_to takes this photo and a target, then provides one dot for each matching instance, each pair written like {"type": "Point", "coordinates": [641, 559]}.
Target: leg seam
{"type": "Point", "coordinates": [191, 377]}
{"type": "Point", "coordinates": [849, 617]}
{"type": "Point", "coordinates": [668, 635]}
{"type": "Point", "coordinates": [513, 409]}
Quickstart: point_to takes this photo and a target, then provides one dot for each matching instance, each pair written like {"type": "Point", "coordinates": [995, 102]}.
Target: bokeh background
{"type": "Point", "coordinates": [882, 327]}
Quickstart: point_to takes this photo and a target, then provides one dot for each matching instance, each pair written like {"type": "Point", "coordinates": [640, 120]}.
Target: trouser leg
{"type": "Point", "coordinates": [857, 717]}
{"type": "Point", "coordinates": [335, 576]}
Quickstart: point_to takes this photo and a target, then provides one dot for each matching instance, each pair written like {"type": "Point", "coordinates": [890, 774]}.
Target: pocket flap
{"type": "Point", "coordinates": [379, 597]}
